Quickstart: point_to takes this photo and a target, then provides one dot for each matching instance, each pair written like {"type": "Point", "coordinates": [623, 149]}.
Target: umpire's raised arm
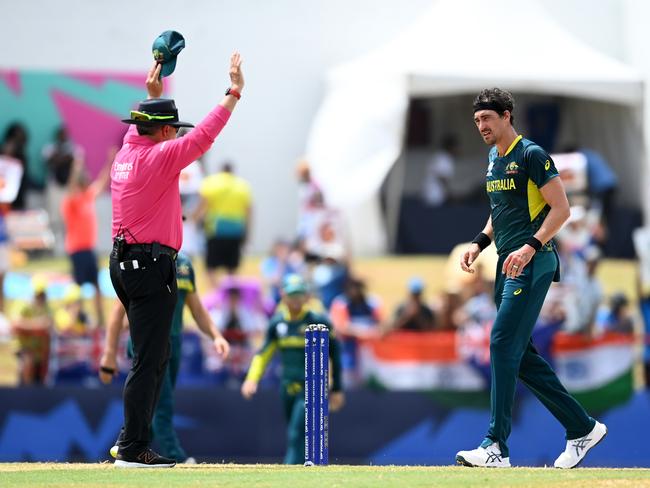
{"type": "Point", "coordinates": [178, 153]}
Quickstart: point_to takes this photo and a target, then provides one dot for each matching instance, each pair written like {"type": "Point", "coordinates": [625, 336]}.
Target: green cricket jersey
{"type": "Point", "coordinates": [186, 284]}
{"type": "Point", "coordinates": [289, 337]}
{"type": "Point", "coordinates": [513, 182]}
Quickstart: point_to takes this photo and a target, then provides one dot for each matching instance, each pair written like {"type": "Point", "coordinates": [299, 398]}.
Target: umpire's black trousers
{"type": "Point", "coordinates": [147, 289]}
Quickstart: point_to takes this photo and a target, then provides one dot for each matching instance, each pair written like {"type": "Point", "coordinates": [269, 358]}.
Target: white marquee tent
{"type": "Point", "coordinates": [458, 47]}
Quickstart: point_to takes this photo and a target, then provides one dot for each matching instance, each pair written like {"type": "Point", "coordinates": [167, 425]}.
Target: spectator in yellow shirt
{"type": "Point", "coordinates": [226, 210]}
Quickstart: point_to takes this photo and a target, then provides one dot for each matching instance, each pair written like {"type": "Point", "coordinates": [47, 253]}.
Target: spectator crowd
{"type": "Point", "coordinates": [62, 341]}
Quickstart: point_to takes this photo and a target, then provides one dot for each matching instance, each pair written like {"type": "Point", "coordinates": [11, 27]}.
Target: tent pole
{"type": "Point", "coordinates": [395, 190]}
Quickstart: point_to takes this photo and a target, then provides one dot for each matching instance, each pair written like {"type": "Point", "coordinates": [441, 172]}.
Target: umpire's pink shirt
{"type": "Point", "coordinates": [144, 181]}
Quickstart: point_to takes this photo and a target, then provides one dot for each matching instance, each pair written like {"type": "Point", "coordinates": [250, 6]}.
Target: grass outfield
{"type": "Point", "coordinates": [105, 475]}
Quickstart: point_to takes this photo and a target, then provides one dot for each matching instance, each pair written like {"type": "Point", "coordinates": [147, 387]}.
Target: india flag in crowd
{"type": "Point", "coordinates": [599, 372]}
{"type": "Point", "coordinates": [419, 361]}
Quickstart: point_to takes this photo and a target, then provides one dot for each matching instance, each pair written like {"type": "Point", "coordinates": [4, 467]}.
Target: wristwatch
{"type": "Point", "coordinates": [234, 93]}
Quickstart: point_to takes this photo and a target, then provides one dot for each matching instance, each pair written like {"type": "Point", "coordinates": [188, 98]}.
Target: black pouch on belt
{"type": "Point", "coordinates": [155, 250]}
{"type": "Point", "coordinates": [118, 247]}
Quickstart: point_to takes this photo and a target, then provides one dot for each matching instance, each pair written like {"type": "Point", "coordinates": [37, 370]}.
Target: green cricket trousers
{"type": "Point", "coordinates": [512, 354]}
{"type": "Point", "coordinates": [293, 401]}
{"type": "Point", "coordinates": [163, 419]}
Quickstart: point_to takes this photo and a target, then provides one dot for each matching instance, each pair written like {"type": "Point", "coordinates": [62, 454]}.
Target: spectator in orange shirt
{"type": "Point", "coordinates": [80, 220]}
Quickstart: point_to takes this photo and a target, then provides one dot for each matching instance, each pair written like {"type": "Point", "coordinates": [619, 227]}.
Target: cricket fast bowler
{"type": "Point", "coordinates": [528, 207]}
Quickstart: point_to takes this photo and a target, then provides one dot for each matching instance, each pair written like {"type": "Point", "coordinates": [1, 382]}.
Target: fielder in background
{"type": "Point", "coordinates": [286, 332]}
{"type": "Point", "coordinates": [163, 425]}
{"type": "Point", "coordinates": [528, 207]}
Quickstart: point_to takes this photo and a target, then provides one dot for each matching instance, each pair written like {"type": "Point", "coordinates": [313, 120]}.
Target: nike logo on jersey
{"type": "Point", "coordinates": [517, 292]}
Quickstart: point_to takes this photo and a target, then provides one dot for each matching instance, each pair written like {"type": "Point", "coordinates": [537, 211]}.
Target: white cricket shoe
{"type": "Point", "coordinates": [484, 457]}
{"type": "Point", "coordinates": [576, 449]}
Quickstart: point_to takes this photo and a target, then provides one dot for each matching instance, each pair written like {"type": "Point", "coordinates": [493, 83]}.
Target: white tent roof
{"type": "Point", "coordinates": [459, 46]}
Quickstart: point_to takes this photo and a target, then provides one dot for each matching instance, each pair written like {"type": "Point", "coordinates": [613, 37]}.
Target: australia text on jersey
{"type": "Point", "coordinates": [501, 185]}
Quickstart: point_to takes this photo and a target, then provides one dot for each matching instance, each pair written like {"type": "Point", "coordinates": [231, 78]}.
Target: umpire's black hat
{"type": "Point", "coordinates": [156, 111]}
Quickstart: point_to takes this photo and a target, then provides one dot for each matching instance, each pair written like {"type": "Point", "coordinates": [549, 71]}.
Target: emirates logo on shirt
{"type": "Point", "coordinates": [121, 171]}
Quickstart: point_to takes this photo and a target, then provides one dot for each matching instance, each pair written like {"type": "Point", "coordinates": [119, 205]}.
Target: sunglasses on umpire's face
{"type": "Point", "coordinates": [145, 117]}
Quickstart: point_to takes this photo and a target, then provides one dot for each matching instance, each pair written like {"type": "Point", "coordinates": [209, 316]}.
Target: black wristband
{"type": "Point", "coordinates": [482, 240]}
{"type": "Point", "coordinates": [107, 370]}
{"type": "Point", "coordinates": [534, 242]}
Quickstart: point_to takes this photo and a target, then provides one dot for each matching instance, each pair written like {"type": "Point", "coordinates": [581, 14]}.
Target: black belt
{"type": "Point", "coordinates": [147, 249]}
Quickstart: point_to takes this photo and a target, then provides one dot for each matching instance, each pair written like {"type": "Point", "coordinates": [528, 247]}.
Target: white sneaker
{"type": "Point", "coordinates": [576, 449]}
{"type": "Point", "coordinates": [486, 457]}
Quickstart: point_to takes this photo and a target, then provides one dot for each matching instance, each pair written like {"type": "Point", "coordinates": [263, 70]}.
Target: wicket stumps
{"type": "Point", "coordinates": [316, 395]}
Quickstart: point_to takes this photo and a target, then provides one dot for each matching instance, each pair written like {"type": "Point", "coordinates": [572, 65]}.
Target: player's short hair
{"type": "Point", "coordinates": [495, 99]}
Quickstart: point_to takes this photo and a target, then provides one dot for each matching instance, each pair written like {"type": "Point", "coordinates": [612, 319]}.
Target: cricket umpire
{"type": "Point", "coordinates": [147, 233]}
{"type": "Point", "coordinates": [528, 207]}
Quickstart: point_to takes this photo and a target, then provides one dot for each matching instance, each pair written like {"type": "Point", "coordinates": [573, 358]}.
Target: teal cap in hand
{"type": "Point", "coordinates": [165, 50]}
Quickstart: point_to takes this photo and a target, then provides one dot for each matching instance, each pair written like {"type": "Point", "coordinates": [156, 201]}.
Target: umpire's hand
{"type": "Point", "coordinates": [154, 82]}
{"type": "Point", "coordinates": [235, 72]}
{"type": "Point", "coordinates": [107, 368]}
